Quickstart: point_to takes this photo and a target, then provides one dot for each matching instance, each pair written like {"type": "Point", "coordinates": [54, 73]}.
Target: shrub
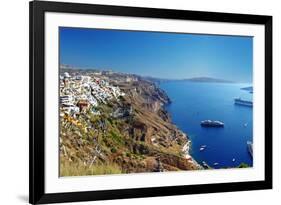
{"type": "Point", "coordinates": [243, 165]}
{"type": "Point", "coordinates": [113, 150]}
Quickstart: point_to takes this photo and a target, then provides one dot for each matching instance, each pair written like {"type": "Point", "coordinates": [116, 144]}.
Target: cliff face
{"type": "Point", "coordinates": [132, 134]}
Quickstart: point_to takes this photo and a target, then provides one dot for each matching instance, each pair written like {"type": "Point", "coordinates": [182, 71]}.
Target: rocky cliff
{"type": "Point", "coordinates": [132, 134]}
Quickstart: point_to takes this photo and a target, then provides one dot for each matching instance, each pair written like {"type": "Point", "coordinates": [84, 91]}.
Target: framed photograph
{"type": "Point", "coordinates": [140, 102]}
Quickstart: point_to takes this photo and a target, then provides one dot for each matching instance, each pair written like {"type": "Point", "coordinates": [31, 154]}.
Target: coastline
{"type": "Point", "coordinates": [186, 155]}
{"type": "Point", "coordinates": [187, 146]}
{"type": "Point", "coordinates": [188, 109]}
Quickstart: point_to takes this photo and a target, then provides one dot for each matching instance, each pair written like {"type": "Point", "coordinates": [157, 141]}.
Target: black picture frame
{"type": "Point", "coordinates": [37, 194]}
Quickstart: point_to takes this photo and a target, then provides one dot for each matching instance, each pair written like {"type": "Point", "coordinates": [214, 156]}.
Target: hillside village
{"type": "Point", "coordinates": [78, 93]}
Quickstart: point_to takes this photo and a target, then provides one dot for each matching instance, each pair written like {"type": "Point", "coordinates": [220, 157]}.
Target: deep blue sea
{"type": "Point", "coordinates": [193, 102]}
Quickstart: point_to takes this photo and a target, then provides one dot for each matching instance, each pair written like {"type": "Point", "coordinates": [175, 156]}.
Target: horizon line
{"type": "Point", "coordinates": [148, 76]}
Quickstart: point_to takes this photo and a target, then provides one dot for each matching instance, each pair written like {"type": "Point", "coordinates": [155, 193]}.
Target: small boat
{"type": "Point", "coordinates": [233, 160]}
{"type": "Point", "coordinates": [205, 165]}
{"type": "Point", "coordinates": [211, 123]}
{"type": "Point", "coordinates": [216, 163]}
{"type": "Point", "coordinates": [246, 124]}
{"type": "Point", "coordinates": [202, 147]}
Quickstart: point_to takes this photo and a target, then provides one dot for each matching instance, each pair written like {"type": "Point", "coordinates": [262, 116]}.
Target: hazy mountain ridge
{"type": "Point", "coordinates": [195, 79]}
{"type": "Point", "coordinates": [71, 69]}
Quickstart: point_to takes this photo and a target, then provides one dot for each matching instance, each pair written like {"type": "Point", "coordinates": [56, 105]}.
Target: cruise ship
{"type": "Point", "coordinates": [250, 147]}
{"type": "Point", "coordinates": [210, 123]}
{"type": "Point", "coordinates": [239, 101]}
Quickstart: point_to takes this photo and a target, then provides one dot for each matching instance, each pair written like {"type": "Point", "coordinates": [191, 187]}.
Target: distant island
{"type": "Point", "coordinates": [209, 80]}
{"type": "Point", "coordinates": [195, 79]}
{"type": "Point", "coordinates": [249, 89]}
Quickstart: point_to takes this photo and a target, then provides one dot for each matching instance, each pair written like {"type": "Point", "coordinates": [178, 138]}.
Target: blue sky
{"type": "Point", "coordinates": [157, 54]}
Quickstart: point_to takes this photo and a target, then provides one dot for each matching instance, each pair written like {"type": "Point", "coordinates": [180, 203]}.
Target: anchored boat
{"type": "Point", "coordinates": [211, 123]}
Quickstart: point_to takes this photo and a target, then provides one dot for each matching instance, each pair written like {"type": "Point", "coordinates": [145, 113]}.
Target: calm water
{"type": "Point", "coordinates": [193, 102]}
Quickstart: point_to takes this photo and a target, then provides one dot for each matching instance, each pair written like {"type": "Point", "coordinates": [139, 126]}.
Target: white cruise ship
{"type": "Point", "coordinates": [239, 101]}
